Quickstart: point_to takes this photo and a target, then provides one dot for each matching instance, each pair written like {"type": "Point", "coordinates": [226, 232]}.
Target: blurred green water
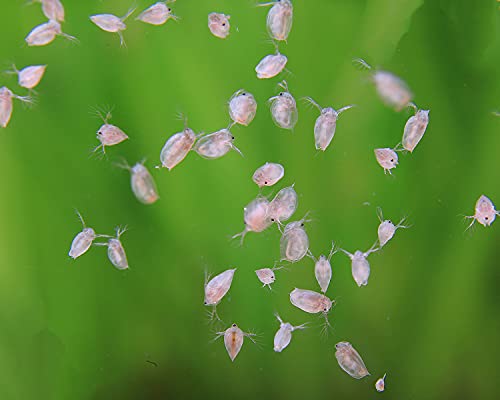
{"type": "Point", "coordinates": [83, 330]}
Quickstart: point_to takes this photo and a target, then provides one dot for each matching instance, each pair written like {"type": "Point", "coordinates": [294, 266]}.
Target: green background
{"type": "Point", "coordinates": [84, 330]}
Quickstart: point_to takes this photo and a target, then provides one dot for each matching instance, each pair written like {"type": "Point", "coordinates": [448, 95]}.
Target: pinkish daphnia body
{"type": "Point", "coordinates": [6, 104]}
{"type": "Point", "coordinates": [256, 217]}
{"type": "Point", "coordinates": [271, 65]}
{"type": "Point", "coordinates": [116, 251]}
{"type": "Point", "coordinates": [233, 340]}
{"type": "Point", "coordinates": [268, 174]}
{"type": "Point", "coordinates": [267, 276]}
{"type": "Point", "coordinates": [109, 22]}
{"type": "Point", "coordinates": [325, 125]}
{"type": "Point", "coordinates": [242, 107]}
{"type": "Point", "coordinates": [283, 336]}
{"type": "Point", "coordinates": [157, 14]}
{"type": "Point", "coordinates": [484, 212]}
{"type": "Point", "coordinates": [177, 147]}
{"type": "Point", "coordinates": [45, 33]}
{"type": "Point", "coordinates": [217, 287]}
{"type": "Point", "coordinates": [380, 384]}
{"type": "Point", "coordinates": [309, 301]}
{"type": "Point", "coordinates": [393, 91]}
{"type": "Point", "coordinates": [387, 158]}
{"type": "Point", "coordinates": [52, 9]}
{"type": "Point", "coordinates": [350, 360]}
{"type": "Point", "coordinates": [284, 108]}
{"type": "Point", "coordinates": [294, 243]}
{"type": "Point", "coordinates": [323, 269]}
{"type": "Point", "coordinates": [30, 76]}
{"type": "Point", "coordinates": [108, 134]}
{"type": "Point", "coordinates": [219, 25]}
{"type": "Point", "coordinates": [142, 183]}
{"type": "Point", "coordinates": [279, 19]}
{"type": "Point", "coordinates": [387, 229]}
{"type": "Point", "coordinates": [112, 23]}
{"type": "Point", "coordinates": [216, 145]}
{"type": "Point", "coordinates": [415, 128]}
{"type": "Point", "coordinates": [284, 205]}
{"type": "Point", "coordinates": [82, 241]}
{"type": "Point", "coordinates": [360, 265]}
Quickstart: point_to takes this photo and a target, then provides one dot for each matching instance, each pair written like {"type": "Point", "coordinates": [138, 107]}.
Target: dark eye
{"type": "Point", "coordinates": [272, 219]}
{"type": "Point", "coordinates": [389, 221]}
{"type": "Point", "coordinates": [223, 24]}
{"type": "Point", "coordinates": [265, 183]}
{"type": "Point", "coordinates": [324, 309]}
{"type": "Point", "coordinates": [392, 160]}
{"type": "Point", "coordinates": [281, 94]}
{"type": "Point", "coordinates": [99, 133]}
{"type": "Point", "coordinates": [272, 277]}
{"type": "Point", "coordinates": [243, 94]}
{"type": "Point", "coordinates": [205, 302]}
{"type": "Point", "coordinates": [234, 325]}
{"type": "Point", "coordinates": [302, 224]}
{"type": "Point", "coordinates": [485, 217]}
{"type": "Point", "coordinates": [232, 137]}
{"type": "Point", "coordinates": [169, 9]}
